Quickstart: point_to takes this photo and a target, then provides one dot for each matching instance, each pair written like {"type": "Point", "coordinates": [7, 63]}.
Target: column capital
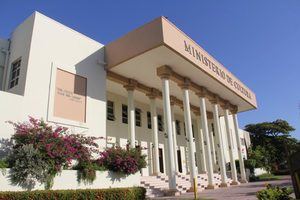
{"type": "Point", "coordinates": [131, 85]}
{"type": "Point", "coordinates": [153, 94]}
{"type": "Point", "coordinates": [226, 105]}
{"type": "Point", "coordinates": [172, 100]}
{"type": "Point", "coordinates": [234, 109]}
{"type": "Point", "coordinates": [164, 72]}
{"type": "Point", "coordinates": [185, 85]}
{"type": "Point", "coordinates": [203, 92]}
{"type": "Point", "coordinates": [215, 99]}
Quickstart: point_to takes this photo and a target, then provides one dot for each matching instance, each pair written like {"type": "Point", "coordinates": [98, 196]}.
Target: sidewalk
{"type": "Point", "coordinates": [241, 192]}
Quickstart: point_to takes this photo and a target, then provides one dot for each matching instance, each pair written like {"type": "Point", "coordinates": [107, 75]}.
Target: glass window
{"type": "Point", "coordinates": [110, 111]}
{"type": "Point", "coordinates": [15, 73]}
{"type": "Point", "coordinates": [124, 114]}
{"type": "Point", "coordinates": [177, 123]}
{"type": "Point", "coordinates": [138, 117]}
{"type": "Point", "coordinates": [149, 120]}
{"type": "Point", "coordinates": [160, 123]}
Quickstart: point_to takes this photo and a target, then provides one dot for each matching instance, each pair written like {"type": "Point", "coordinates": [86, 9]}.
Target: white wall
{"type": "Point", "coordinates": [67, 180]}
{"type": "Point", "coordinates": [45, 45]}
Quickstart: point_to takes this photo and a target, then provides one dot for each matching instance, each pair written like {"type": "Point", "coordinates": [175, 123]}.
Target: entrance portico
{"type": "Point", "coordinates": [163, 68]}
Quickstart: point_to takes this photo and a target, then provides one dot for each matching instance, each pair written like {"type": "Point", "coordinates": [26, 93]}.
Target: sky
{"type": "Point", "coordinates": [258, 41]}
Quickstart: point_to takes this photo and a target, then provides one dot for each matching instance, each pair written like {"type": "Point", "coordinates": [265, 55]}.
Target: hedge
{"type": "Point", "coordinates": [135, 193]}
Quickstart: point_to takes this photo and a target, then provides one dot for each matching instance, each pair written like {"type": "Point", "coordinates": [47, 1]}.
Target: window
{"type": "Point", "coordinates": [138, 118]}
{"type": "Point", "coordinates": [160, 123]}
{"type": "Point", "coordinates": [149, 120]}
{"type": "Point", "coordinates": [193, 131]}
{"type": "Point", "coordinates": [15, 73]}
{"type": "Point", "coordinates": [110, 111]}
{"type": "Point", "coordinates": [124, 114]}
{"type": "Point", "coordinates": [213, 129]}
{"type": "Point", "coordinates": [177, 124]}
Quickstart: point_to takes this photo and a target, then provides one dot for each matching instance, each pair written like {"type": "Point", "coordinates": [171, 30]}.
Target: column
{"type": "Point", "coordinates": [200, 146]}
{"type": "Point", "coordinates": [238, 141]}
{"type": "Point", "coordinates": [189, 130]}
{"type": "Point", "coordinates": [174, 132]}
{"type": "Point", "coordinates": [154, 124]}
{"type": "Point", "coordinates": [229, 140]}
{"type": "Point", "coordinates": [131, 112]}
{"type": "Point", "coordinates": [164, 73]}
{"type": "Point", "coordinates": [209, 166]}
{"type": "Point", "coordinates": [213, 151]}
{"type": "Point", "coordinates": [220, 147]}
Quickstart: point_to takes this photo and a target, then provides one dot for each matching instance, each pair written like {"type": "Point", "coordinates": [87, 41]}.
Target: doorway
{"type": "Point", "coordinates": [161, 160]}
{"type": "Point", "coordinates": [179, 161]}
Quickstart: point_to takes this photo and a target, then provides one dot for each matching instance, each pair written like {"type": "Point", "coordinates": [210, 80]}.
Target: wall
{"type": "Point", "coordinates": [4, 44]}
{"type": "Point", "coordinates": [44, 46]}
{"type": "Point", "coordinates": [67, 180]}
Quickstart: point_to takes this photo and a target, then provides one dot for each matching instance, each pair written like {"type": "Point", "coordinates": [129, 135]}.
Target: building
{"type": "Point", "coordinates": [154, 87]}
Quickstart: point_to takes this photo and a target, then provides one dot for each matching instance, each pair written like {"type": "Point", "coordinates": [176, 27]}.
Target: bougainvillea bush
{"type": "Point", "coordinates": [125, 161]}
{"type": "Point", "coordinates": [36, 144]}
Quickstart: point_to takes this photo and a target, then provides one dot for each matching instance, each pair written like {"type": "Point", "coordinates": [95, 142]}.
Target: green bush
{"type": "Point", "coordinates": [135, 193]}
{"type": "Point", "coordinates": [274, 193]}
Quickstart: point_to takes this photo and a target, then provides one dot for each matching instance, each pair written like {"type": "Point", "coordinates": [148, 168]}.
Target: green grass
{"type": "Point", "coordinates": [268, 177]}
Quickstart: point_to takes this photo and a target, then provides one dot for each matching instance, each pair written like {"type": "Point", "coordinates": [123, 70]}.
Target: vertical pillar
{"type": "Point", "coordinates": [202, 94]}
{"type": "Point", "coordinates": [164, 73]}
{"type": "Point", "coordinates": [220, 147]}
{"type": "Point", "coordinates": [189, 130]}
{"type": "Point", "coordinates": [131, 112]}
{"type": "Point", "coordinates": [238, 141]}
{"type": "Point", "coordinates": [174, 132]}
{"type": "Point", "coordinates": [200, 146]}
{"type": "Point", "coordinates": [230, 145]}
{"type": "Point", "coordinates": [152, 96]}
{"type": "Point", "coordinates": [213, 151]}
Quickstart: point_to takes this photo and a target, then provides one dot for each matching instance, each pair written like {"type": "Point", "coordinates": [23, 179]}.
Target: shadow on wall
{"type": "Point", "coordinates": [96, 86]}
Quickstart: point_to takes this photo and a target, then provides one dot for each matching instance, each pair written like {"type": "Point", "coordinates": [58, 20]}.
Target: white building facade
{"type": "Point", "coordinates": [154, 87]}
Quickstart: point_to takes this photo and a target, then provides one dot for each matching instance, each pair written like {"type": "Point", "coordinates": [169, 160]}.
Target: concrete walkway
{"type": "Point", "coordinates": [241, 192]}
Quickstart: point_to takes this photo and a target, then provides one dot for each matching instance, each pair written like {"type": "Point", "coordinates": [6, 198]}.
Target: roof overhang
{"type": "Point", "coordinates": [139, 53]}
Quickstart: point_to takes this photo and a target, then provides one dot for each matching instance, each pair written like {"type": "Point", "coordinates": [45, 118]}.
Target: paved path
{"type": "Point", "coordinates": [242, 192]}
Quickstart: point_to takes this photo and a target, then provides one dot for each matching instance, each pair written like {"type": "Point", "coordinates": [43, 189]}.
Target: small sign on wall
{"type": "Point", "coordinates": [70, 96]}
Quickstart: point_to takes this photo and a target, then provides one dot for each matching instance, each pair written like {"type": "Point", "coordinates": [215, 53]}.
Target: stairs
{"type": "Point", "coordinates": [157, 185]}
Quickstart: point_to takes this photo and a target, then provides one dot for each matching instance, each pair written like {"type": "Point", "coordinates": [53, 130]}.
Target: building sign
{"type": "Point", "coordinates": [215, 68]}
{"type": "Point", "coordinates": [70, 96]}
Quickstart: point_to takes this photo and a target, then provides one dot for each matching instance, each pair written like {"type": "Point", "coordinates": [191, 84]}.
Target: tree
{"type": "Point", "coordinates": [271, 138]}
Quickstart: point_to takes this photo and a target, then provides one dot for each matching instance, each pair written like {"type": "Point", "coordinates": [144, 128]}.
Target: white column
{"type": "Point", "coordinates": [189, 132]}
{"type": "Point", "coordinates": [131, 114]}
{"type": "Point", "coordinates": [220, 147]}
{"type": "Point", "coordinates": [168, 127]}
{"type": "Point", "coordinates": [174, 136]}
{"type": "Point", "coordinates": [229, 140]}
{"type": "Point", "coordinates": [238, 141]}
{"type": "Point", "coordinates": [209, 166]}
{"type": "Point", "coordinates": [200, 145]}
{"type": "Point", "coordinates": [213, 150]}
{"type": "Point", "coordinates": [154, 136]}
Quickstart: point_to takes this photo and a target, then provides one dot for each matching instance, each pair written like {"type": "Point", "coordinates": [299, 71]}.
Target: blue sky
{"type": "Point", "coordinates": [259, 41]}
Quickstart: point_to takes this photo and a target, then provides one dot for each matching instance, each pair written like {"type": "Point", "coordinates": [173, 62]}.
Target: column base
{"type": "Point", "coordinates": [210, 187]}
{"type": "Point", "coordinates": [155, 174]}
{"type": "Point", "coordinates": [171, 192]}
{"type": "Point", "coordinates": [234, 183]}
{"type": "Point", "coordinates": [243, 181]}
{"type": "Point", "coordinates": [222, 185]}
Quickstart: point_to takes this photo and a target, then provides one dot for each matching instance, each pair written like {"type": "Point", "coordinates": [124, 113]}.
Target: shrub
{"type": "Point", "coordinates": [52, 147]}
{"type": "Point", "coordinates": [125, 161]}
{"type": "Point", "coordinates": [136, 193]}
{"type": "Point", "coordinates": [274, 193]}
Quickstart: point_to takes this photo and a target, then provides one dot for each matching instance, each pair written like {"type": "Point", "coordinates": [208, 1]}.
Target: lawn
{"type": "Point", "coordinates": [268, 177]}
